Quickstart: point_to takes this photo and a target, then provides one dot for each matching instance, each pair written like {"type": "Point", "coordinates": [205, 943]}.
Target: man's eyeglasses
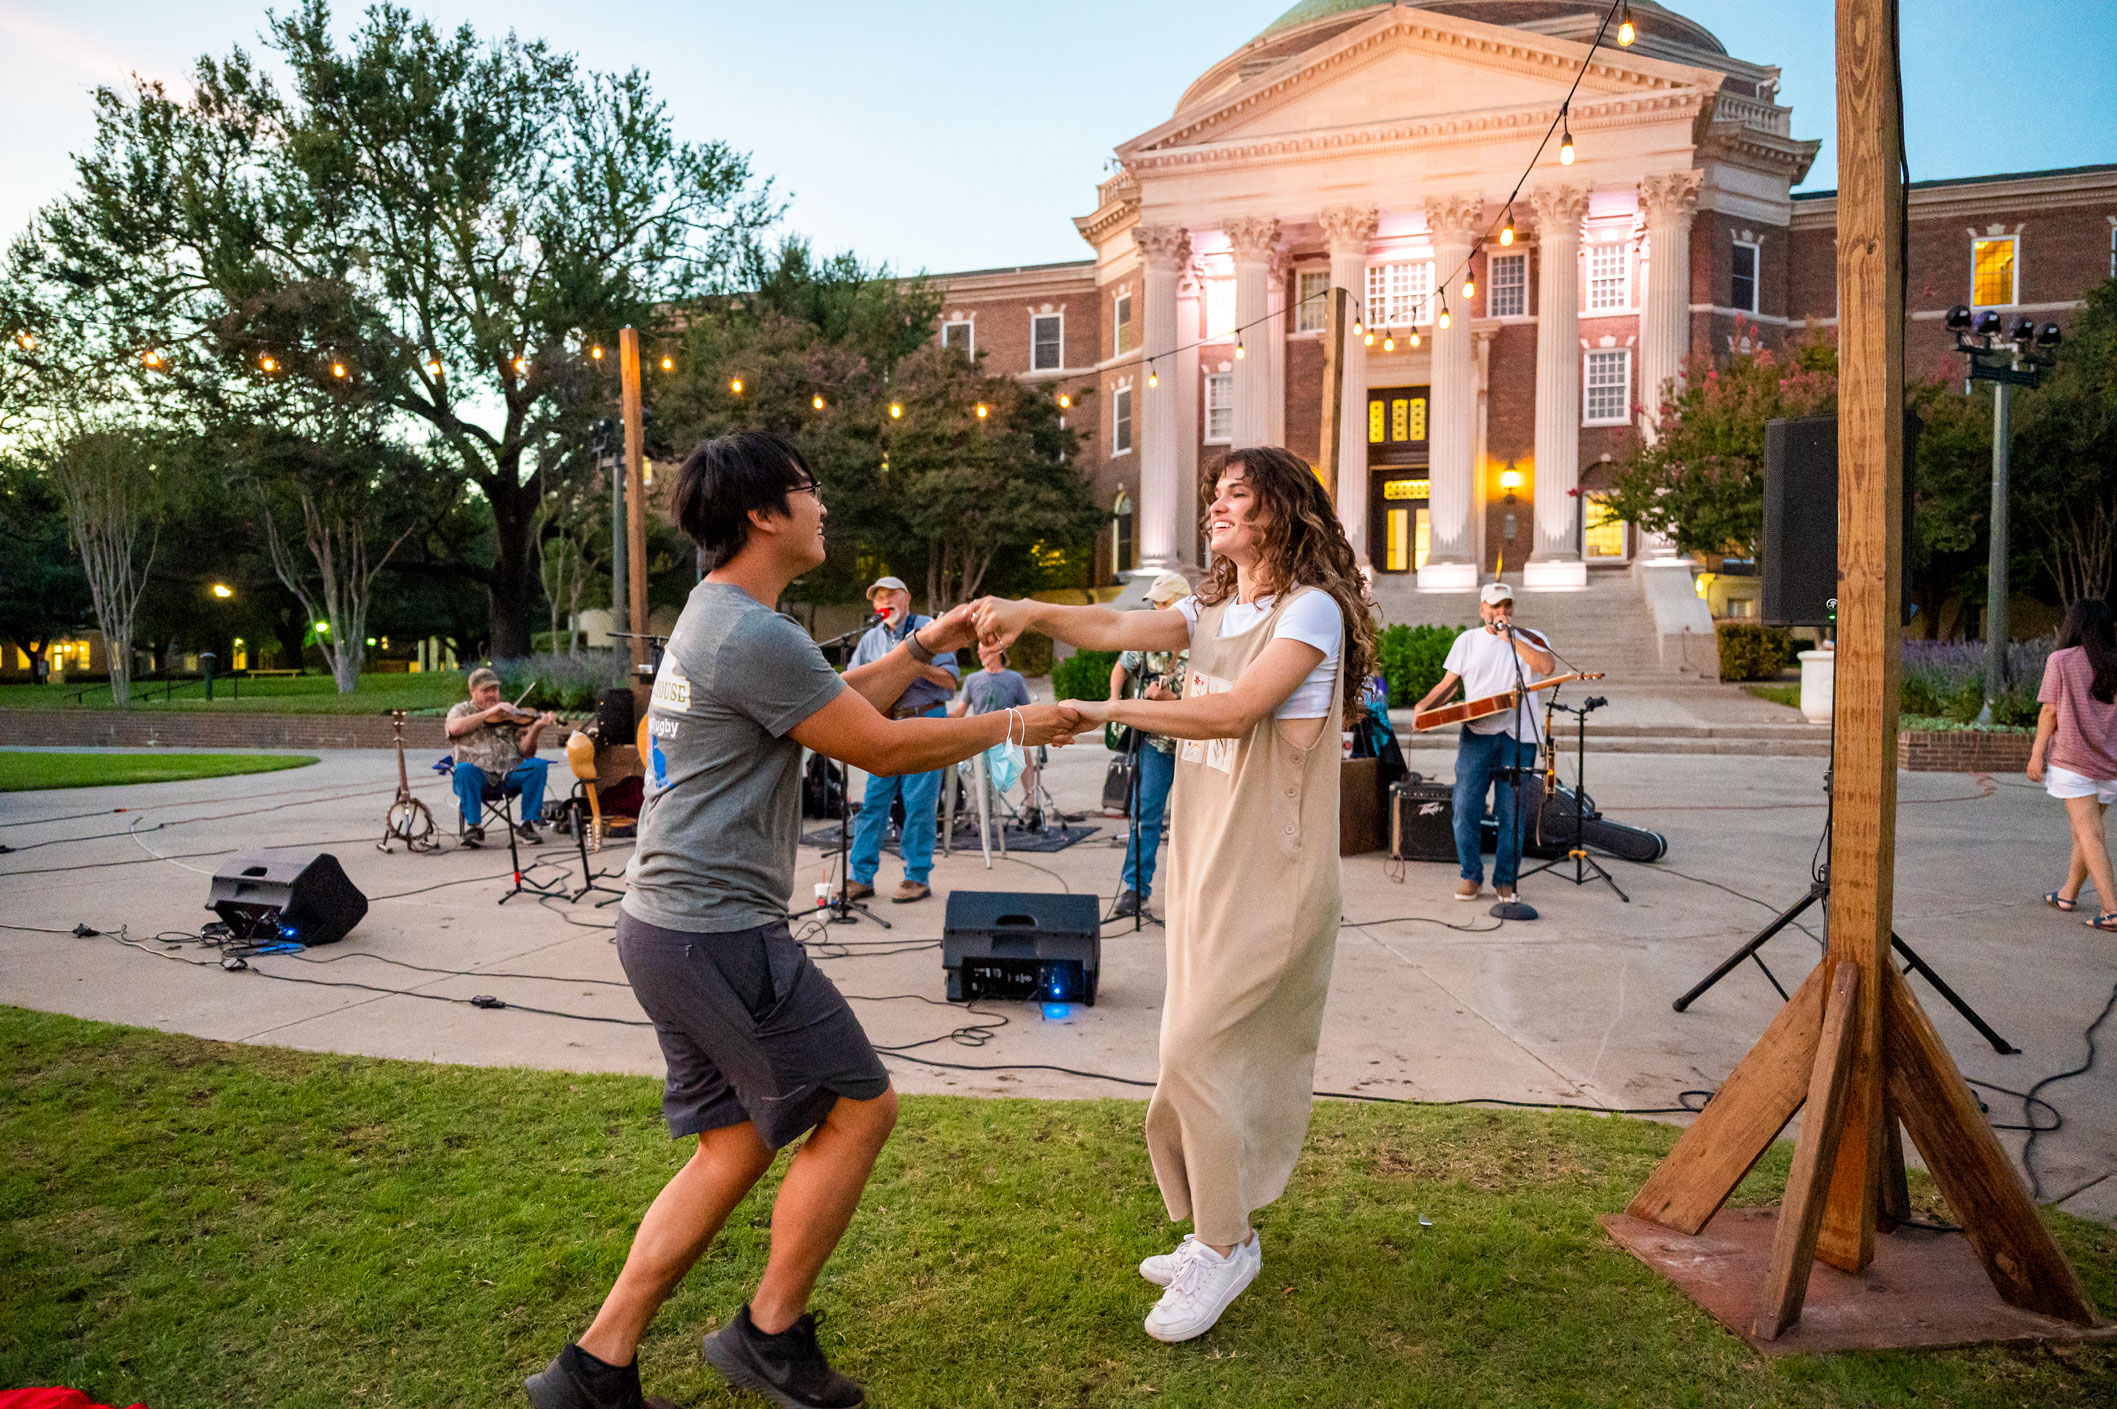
{"type": "Point", "coordinates": [808, 485]}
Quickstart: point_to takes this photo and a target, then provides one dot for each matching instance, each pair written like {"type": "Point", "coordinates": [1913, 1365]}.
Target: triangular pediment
{"type": "Point", "coordinates": [1414, 67]}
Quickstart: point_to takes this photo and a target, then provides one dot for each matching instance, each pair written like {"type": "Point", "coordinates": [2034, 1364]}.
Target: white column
{"type": "Point", "coordinates": [1557, 562]}
{"type": "Point", "coordinates": [1278, 327]}
{"type": "Point", "coordinates": [1665, 320]}
{"type": "Point", "coordinates": [1254, 240]}
{"type": "Point", "coordinates": [1164, 249]}
{"type": "Point", "coordinates": [1451, 422]}
{"type": "Point", "coordinates": [1350, 231]}
{"type": "Point", "coordinates": [1190, 390]}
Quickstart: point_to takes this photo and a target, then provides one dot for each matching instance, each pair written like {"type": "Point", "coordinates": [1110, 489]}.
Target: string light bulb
{"type": "Point", "coordinates": [596, 352]}
{"type": "Point", "coordinates": [1357, 329]}
{"type": "Point", "coordinates": [1444, 320]}
{"type": "Point", "coordinates": [1625, 32]}
{"type": "Point", "coordinates": [896, 411]}
{"type": "Point", "coordinates": [521, 365]}
{"type": "Point", "coordinates": [735, 385]}
{"type": "Point", "coordinates": [1065, 402]}
{"type": "Point", "coordinates": [1389, 344]}
{"type": "Point", "coordinates": [1153, 377]}
{"type": "Point", "coordinates": [1469, 288]}
{"type": "Point", "coordinates": [1369, 340]}
{"type": "Point", "coordinates": [434, 366]}
{"type": "Point", "coordinates": [1565, 148]}
{"type": "Point", "coordinates": [1507, 230]}
{"type": "Point", "coordinates": [816, 402]}
{"type": "Point", "coordinates": [266, 362]}
{"type": "Point", "coordinates": [668, 364]}
{"type": "Point", "coordinates": [29, 344]}
{"type": "Point", "coordinates": [1414, 337]}
{"type": "Point", "coordinates": [151, 358]}
{"type": "Point", "coordinates": [983, 410]}
{"type": "Point", "coordinates": [1240, 352]}
{"type": "Point", "coordinates": [338, 369]}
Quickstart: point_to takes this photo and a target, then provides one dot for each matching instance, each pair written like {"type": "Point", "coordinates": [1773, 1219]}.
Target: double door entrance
{"type": "Point", "coordinates": [1399, 528]}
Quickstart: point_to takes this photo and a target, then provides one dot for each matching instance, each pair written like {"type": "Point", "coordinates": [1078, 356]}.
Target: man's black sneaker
{"type": "Point", "coordinates": [788, 1369]}
{"type": "Point", "coordinates": [474, 836]}
{"type": "Point", "coordinates": [568, 1383]}
{"type": "Point", "coordinates": [1033, 819]}
{"type": "Point", "coordinates": [1127, 905]}
{"type": "Point", "coordinates": [527, 831]}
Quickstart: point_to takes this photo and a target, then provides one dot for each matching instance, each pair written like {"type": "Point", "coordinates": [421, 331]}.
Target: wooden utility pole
{"type": "Point", "coordinates": [1334, 325]}
{"type": "Point", "coordinates": [628, 361]}
{"type": "Point", "coordinates": [1852, 1044]}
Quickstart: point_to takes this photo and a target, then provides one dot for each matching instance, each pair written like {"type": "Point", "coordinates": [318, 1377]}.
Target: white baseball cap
{"type": "Point", "coordinates": [1168, 588]}
{"type": "Point", "coordinates": [1495, 593]}
{"type": "Point", "coordinates": [887, 584]}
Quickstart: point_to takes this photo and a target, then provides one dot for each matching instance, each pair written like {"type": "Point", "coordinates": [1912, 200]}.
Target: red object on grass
{"type": "Point", "coordinates": [53, 1398]}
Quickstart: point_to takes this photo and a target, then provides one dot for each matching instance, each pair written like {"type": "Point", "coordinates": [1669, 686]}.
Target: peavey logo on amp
{"type": "Point", "coordinates": [1429, 809]}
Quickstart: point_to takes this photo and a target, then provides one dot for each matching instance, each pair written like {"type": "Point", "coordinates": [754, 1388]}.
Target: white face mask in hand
{"type": "Point", "coordinates": [1003, 761]}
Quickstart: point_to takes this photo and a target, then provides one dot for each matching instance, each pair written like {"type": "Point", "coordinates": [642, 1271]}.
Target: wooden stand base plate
{"type": "Point", "coordinates": [1923, 1289]}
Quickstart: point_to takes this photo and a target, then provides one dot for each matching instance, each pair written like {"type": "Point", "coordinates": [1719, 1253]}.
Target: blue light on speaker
{"type": "Point", "coordinates": [1058, 1012]}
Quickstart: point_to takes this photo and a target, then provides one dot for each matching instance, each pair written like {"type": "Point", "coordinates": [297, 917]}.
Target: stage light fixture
{"type": "Point", "coordinates": [1959, 318]}
{"type": "Point", "coordinates": [816, 402]}
{"type": "Point", "coordinates": [2022, 329]}
{"type": "Point", "coordinates": [2048, 335]}
{"type": "Point", "coordinates": [735, 385]}
{"type": "Point", "coordinates": [1625, 32]}
{"type": "Point", "coordinates": [1987, 325]}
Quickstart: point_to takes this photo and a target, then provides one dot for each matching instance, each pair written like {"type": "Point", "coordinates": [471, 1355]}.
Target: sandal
{"type": "Point", "coordinates": [2107, 920]}
{"type": "Point", "coordinates": [2058, 902]}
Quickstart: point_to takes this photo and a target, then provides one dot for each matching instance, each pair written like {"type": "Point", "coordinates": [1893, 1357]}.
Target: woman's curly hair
{"type": "Point", "coordinates": [1304, 546]}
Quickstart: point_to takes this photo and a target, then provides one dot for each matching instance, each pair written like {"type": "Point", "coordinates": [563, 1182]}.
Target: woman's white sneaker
{"type": "Point", "coordinates": [1160, 1269]}
{"type": "Point", "coordinates": [1204, 1285]}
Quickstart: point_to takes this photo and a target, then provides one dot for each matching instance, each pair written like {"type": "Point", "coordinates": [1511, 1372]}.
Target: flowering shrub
{"type": "Point", "coordinates": [1946, 679]}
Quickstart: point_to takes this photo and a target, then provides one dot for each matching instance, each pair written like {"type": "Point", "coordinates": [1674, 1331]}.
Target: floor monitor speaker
{"type": "Point", "coordinates": [1017, 944]}
{"type": "Point", "coordinates": [1798, 551]}
{"type": "Point", "coordinates": [297, 896]}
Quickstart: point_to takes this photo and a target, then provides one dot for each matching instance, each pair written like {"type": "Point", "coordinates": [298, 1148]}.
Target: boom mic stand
{"type": "Point", "coordinates": [1819, 889]}
{"type": "Point", "coordinates": [1585, 867]}
{"type": "Point", "coordinates": [1517, 908]}
{"type": "Point", "coordinates": [844, 910]}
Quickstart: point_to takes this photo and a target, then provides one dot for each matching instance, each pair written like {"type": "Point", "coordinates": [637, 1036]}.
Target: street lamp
{"type": "Point", "coordinates": [2016, 354]}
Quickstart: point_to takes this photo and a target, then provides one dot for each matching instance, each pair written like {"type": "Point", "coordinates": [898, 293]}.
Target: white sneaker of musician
{"type": "Point", "coordinates": [1202, 1284]}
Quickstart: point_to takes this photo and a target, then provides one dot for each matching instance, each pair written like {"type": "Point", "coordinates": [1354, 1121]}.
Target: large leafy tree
{"type": "Point", "coordinates": [43, 592]}
{"type": "Point", "coordinates": [2065, 454]}
{"type": "Point", "coordinates": [444, 225]}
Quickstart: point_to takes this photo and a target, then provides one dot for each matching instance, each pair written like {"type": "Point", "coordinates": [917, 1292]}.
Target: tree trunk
{"type": "Point", "coordinates": [514, 581]}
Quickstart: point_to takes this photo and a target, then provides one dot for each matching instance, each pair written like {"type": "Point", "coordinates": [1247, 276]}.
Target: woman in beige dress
{"type": "Point", "coordinates": [1280, 635]}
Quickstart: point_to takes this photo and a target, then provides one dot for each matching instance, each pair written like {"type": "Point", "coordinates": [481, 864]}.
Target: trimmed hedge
{"type": "Point", "coordinates": [1411, 659]}
{"type": "Point", "coordinates": [1031, 654]}
{"type": "Point", "coordinates": [1749, 651]}
{"type": "Point", "coordinates": [1084, 675]}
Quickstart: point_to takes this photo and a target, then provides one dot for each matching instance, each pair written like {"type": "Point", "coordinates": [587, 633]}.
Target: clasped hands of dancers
{"type": "Point", "coordinates": [761, 1047]}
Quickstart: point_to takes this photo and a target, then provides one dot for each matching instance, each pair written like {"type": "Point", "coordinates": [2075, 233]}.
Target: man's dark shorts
{"type": "Point", "coordinates": [751, 1029]}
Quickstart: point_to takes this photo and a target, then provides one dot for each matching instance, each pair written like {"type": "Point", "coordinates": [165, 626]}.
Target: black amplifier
{"type": "Point", "coordinates": [1023, 945]}
{"type": "Point", "coordinates": [1421, 820]}
{"type": "Point", "coordinates": [280, 896]}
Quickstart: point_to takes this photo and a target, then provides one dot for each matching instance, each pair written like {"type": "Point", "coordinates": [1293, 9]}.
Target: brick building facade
{"type": "Point", "coordinates": [1373, 147]}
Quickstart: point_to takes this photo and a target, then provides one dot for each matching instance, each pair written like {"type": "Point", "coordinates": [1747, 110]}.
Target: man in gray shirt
{"type": "Point", "coordinates": [761, 1047]}
{"type": "Point", "coordinates": [925, 697]}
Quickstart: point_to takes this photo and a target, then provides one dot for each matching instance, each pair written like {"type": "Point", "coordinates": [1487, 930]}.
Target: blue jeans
{"type": "Point", "coordinates": [1477, 756]}
{"type": "Point", "coordinates": [526, 778]}
{"type": "Point", "coordinates": [922, 794]}
{"type": "Point", "coordinates": [1157, 770]}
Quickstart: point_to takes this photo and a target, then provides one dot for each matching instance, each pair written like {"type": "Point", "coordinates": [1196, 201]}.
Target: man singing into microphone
{"type": "Point", "coordinates": [1491, 660]}
{"type": "Point", "coordinates": [927, 696]}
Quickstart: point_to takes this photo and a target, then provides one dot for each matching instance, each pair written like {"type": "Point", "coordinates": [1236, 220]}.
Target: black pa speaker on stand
{"type": "Point", "coordinates": [1799, 546]}
{"type": "Point", "coordinates": [298, 896]}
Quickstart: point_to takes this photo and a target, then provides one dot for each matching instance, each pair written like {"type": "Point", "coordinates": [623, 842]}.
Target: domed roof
{"type": "Point", "coordinates": [1662, 32]}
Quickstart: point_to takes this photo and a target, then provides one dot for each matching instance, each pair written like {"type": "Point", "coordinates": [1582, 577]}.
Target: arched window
{"type": "Point", "coordinates": [1121, 535]}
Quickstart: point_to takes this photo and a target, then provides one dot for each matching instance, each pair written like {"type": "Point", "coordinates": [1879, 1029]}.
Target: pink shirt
{"type": "Point", "coordinates": [2086, 739]}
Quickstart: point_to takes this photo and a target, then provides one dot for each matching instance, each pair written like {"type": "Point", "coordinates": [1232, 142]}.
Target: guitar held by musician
{"type": "Point", "coordinates": [1499, 667]}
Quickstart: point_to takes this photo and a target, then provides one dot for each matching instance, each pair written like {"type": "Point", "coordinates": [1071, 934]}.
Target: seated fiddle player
{"type": "Point", "coordinates": [997, 687]}
{"type": "Point", "coordinates": [1490, 660]}
{"type": "Point", "coordinates": [495, 747]}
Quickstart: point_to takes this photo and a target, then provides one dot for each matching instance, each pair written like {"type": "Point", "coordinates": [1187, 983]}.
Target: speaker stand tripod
{"type": "Point", "coordinates": [842, 909]}
{"type": "Point", "coordinates": [1585, 867]}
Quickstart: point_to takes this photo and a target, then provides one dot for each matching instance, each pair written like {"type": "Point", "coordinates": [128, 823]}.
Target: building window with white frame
{"type": "Point", "coordinates": [1507, 285]}
{"type": "Point", "coordinates": [1400, 293]}
{"type": "Point", "coordinates": [1995, 273]}
{"type": "Point", "coordinates": [1742, 285]}
{"type": "Point", "coordinates": [1609, 282]}
{"type": "Point", "coordinates": [1602, 533]}
{"type": "Point", "coordinates": [959, 334]}
{"type": "Point", "coordinates": [1220, 407]}
{"type": "Point", "coordinates": [1607, 399]}
{"type": "Point", "coordinates": [1312, 307]}
{"type": "Point", "coordinates": [1220, 309]}
{"type": "Point", "coordinates": [1121, 422]}
{"type": "Point", "coordinates": [1121, 317]}
{"type": "Point", "coordinates": [1047, 342]}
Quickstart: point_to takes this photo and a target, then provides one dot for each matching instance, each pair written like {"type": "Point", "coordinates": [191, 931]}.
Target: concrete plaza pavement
{"type": "Point", "coordinates": [1430, 999]}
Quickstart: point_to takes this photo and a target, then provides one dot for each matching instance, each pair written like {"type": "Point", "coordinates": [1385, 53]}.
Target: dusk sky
{"type": "Point", "coordinates": [949, 135]}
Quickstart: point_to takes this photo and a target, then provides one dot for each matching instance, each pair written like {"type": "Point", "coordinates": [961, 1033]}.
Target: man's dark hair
{"type": "Point", "coordinates": [728, 477]}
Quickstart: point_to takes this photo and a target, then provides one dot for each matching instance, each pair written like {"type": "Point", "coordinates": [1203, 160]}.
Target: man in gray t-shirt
{"type": "Point", "coordinates": [761, 1047]}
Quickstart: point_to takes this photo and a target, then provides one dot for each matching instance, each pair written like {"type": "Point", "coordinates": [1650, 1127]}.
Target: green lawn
{"type": "Point", "coordinates": [188, 1223]}
{"type": "Point", "coordinates": [1788, 695]}
{"type": "Point", "coordinates": [26, 770]}
{"type": "Point", "coordinates": [301, 694]}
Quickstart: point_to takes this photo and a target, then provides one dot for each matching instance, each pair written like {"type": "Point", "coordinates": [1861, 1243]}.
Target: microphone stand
{"type": "Point", "coordinates": [1585, 867]}
{"type": "Point", "coordinates": [844, 910]}
{"type": "Point", "coordinates": [1517, 908]}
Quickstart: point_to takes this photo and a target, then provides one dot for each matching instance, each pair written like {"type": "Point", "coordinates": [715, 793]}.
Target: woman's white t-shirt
{"type": "Point", "coordinates": [1313, 619]}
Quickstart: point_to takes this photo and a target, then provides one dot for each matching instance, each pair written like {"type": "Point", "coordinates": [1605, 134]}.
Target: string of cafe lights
{"type": "Point", "coordinates": [1621, 11]}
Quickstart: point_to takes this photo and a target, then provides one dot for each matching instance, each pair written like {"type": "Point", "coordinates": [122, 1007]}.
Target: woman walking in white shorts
{"type": "Point", "coordinates": [2075, 753]}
